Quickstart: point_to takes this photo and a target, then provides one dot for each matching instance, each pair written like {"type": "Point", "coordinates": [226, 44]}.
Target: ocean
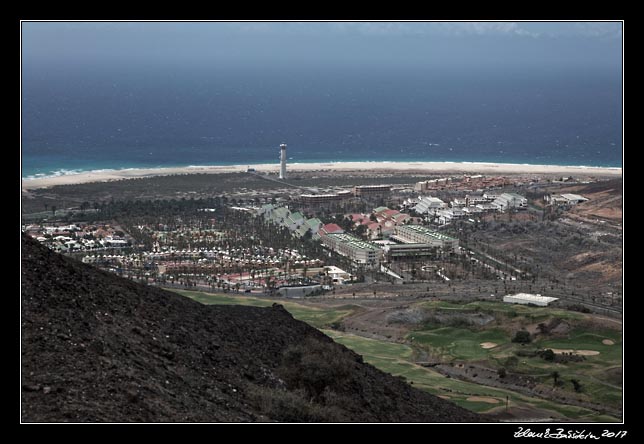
{"type": "Point", "coordinates": [83, 118]}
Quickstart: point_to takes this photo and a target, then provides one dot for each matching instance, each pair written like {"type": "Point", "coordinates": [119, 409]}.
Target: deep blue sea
{"type": "Point", "coordinates": [78, 118]}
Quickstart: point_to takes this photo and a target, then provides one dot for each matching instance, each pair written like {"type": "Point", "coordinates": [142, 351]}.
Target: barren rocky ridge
{"type": "Point", "coordinates": [99, 348]}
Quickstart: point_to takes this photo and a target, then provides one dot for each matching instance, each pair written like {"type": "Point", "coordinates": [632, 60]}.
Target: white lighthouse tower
{"type": "Point", "coordinates": [283, 161]}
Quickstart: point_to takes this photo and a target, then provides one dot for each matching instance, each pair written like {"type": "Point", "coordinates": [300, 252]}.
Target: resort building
{"type": "Point", "coordinates": [433, 184]}
{"type": "Point", "coordinates": [294, 221]}
{"type": "Point", "coordinates": [324, 200]}
{"type": "Point", "coordinates": [507, 201]}
{"type": "Point", "coordinates": [279, 215]}
{"type": "Point", "coordinates": [427, 204]}
{"type": "Point", "coordinates": [337, 275]}
{"type": "Point", "coordinates": [410, 234]}
{"type": "Point", "coordinates": [414, 250]}
{"type": "Point", "coordinates": [359, 251]}
{"type": "Point", "coordinates": [564, 199]}
{"type": "Point", "coordinates": [310, 226]}
{"type": "Point", "coordinates": [463, 183]}
{"type": "Point", "coordinates": [525, 299]}
{"type": "Point", "coordinates": [469, 201]}
{"type": "Point", "coordinates": [359, 219]}
{"type": "Point", "coordinates": [446, 215]}
{"type": "Point", "coordinates": [330, 229]}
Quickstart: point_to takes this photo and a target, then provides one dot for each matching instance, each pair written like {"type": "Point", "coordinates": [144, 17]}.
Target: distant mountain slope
{"type": "Point", "coordinates": [96, 347]}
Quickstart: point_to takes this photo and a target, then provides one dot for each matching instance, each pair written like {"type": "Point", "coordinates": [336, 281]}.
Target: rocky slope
{"type": "Point", "coordinates": [99, 348]}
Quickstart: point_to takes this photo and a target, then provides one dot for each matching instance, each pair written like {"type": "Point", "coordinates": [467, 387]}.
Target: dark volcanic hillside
{"type": "Point", "coordinates": [96, 347]}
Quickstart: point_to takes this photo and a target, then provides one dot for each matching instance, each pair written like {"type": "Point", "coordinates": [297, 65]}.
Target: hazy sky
{"type": "Point", "coordinates": [333, 44]}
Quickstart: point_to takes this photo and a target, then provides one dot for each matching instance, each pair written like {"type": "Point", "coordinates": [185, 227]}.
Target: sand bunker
{"type": "Point", "coordinates": [608, 342]}
{"type": "Point", "coordinates": [483, 399]}
{"type": "Point", "coordinates": [576, 352]}
{"type": "Point", "coordinates": [444, 396]}
{"type": "Point", "coordinates": [488, 344]}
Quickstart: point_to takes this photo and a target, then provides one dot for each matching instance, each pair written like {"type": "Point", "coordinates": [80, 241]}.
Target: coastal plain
{"type": "Point", "coordinates": [339, 167]}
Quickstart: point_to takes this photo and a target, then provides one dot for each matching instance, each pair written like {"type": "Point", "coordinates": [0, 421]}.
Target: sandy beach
{"type": "Point", "coordinates": [429, 167]}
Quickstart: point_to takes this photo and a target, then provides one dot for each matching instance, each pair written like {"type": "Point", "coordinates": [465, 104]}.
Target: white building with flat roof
{"type": "Point", "coordinates": [337, 275]}
{"type": "Point", "coordinates": [357, 250]}
{"type": "Point", "coordinates": [507, 201]}
{"type": "Point", "coordinates": [428, 203]}
{"type": "Point", "coordinates": [526, 298]}
{"type": "Point", "coordinates": [409, 234]}
{"type": "Point", "coordinates": [574, 198]}
{"type": "Point", "coordinates": [566, 199]}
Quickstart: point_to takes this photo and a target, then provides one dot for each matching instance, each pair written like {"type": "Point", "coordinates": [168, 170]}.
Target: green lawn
{"type": "Point", "coordinates": [395, 359]}
{"type": "Point", "coordinates": [464, 344]}
{"type": "Point", "coordinates": [591, 340]}
{"type": "Point", "coordinates": [314, 316]}
{"type": "Point", "coordinates": [224, 299]}
{"type": "Point", "coordinates": [459, 343]}
{"type": "Point", "coordinates": [591, 373]}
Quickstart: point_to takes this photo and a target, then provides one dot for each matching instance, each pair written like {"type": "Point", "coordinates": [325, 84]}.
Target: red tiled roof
{"type": "Point", "coordinates": [332, 228]}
